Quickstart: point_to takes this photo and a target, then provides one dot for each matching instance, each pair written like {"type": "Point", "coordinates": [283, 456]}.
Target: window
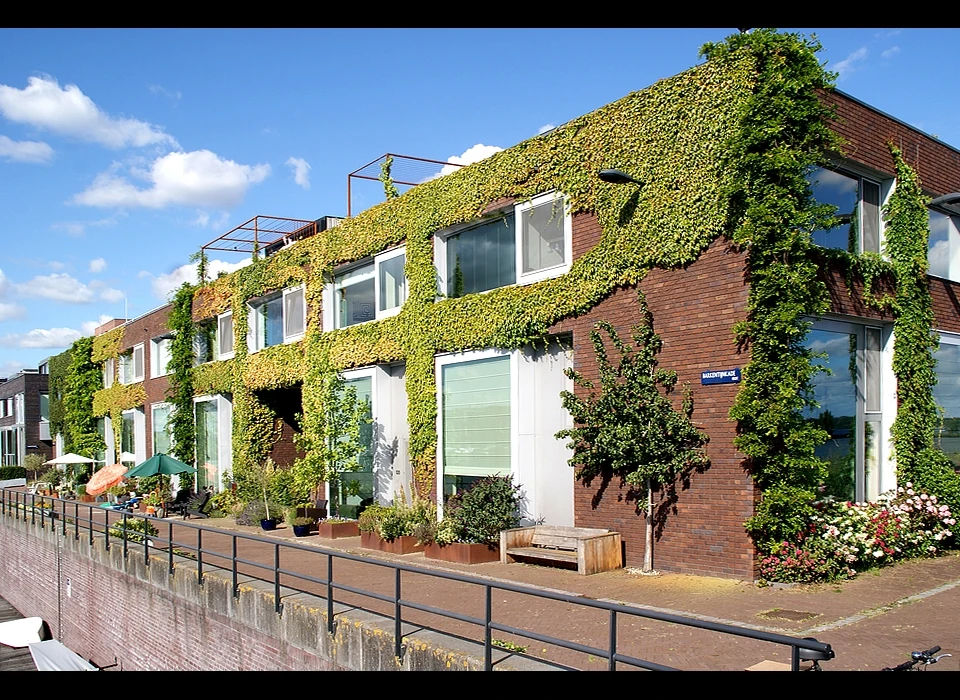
{"type": "Point", "coordinates": [203, 343]}
{"type": "Point", "coordinates": [213, 416]}
{"type": "Point", "coordinates": [527, 243]}
{"type": "Point", "coordinates": [131, 365]}
{"type": "Point", "coordinates": [858, 209]}
{"type": "Point", "coordinates": [356, 487]}
{"type": "Point", "coordinates": [276, 319]}
{"type": "Point", "coordinates": [109, 372]}
{"type": "Point", "coordinates": [475, 418]}
{"type": "Point", "coordinates": [225, 336]}
{"type": "Point", "coordinates": [367, 291]}
{"type": "Point", "coordinates": [160, 424]}
{"type": "Point", "coordinates": [160, 356]}
{"type": "Point", "coordinates": [45, 407]}
{"type": "Point", "coordinates": [132, 437]}
{"type": "Point", "coordinates": [943, 252]}
{"type": "Point", "coordinates": [851, 408]}
{"type": "Point", "coordinates": [946, 393]}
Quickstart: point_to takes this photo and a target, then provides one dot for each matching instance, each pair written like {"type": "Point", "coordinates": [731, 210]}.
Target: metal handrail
{"type": "Point", "coordinates": [11, 501]}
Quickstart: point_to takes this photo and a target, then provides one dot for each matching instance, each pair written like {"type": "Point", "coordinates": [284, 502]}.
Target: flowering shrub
{"type": "Point", "coordinates": [842, 538]}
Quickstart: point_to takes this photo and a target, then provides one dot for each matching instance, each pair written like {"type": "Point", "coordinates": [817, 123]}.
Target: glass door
{"type": "Point", "coordinates": [849, 398]}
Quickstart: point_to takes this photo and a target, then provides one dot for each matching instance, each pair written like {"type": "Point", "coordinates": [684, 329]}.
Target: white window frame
{"type": "Point", "coordinates": [131, 357]}
{"type": "Point", "coordinates": [109, 372]}
{"type": "Point", "coordinates": [886, 185]}
{"type": "Point", "coordinates": [454, 358]}
{"type": "Point", "coordinates": [155, 370]}
{"type": "Point", "coordinates": [253, 307]}
{"type": "Point", "coordinates": [153, 423]}
{"type": "Point", "coordinates": [224, 434]}
{"type": "Point", "coordinates": [225, 355]}
{"type": "Point", "coordinates": [139, 435]}
{"type": "Point", "coordinates": [331, 310]}
{"type": "Point", "coordinates": [517, 210]}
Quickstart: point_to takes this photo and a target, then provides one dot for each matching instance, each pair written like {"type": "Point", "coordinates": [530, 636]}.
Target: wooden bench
{"type": "Point", "coordinates": [592, 550]}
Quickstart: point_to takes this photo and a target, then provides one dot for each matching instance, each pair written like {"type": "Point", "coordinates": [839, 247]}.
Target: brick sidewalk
{"type": "Point", "coordinates": [872, 621]}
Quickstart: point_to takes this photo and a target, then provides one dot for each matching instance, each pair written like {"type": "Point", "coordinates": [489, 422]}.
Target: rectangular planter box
{"type": "Point", "coordinates": [463, 552]}
{"type": "Point", "coordinates": [312, 512]}
{"type": "Point", "coordinates": [334, 531]}
{"type": "Point", "coordinates": [405, 544]}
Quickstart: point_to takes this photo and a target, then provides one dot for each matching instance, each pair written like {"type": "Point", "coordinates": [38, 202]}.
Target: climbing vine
{"type": "Point", "coordinates": [80, 379]}
{"type": "Point", "coordinates": [180, 366]}
{"type": "Point", "coordinates": [389, 189]}
{"type": "Point", "coordinates": [907, 235]}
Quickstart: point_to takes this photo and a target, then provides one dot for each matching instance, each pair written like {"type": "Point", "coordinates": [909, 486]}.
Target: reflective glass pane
{"type": "Point", "coordinates": [871, 459]}
{"type": "Point", "coordinates": [947, 395]}
{"type": "Point", "coordinates": [160, 417]}
{"type": "Point", "coordinates": [208, 456]}
{"type": "Point", "coordinates": [359, 485]}
{"type": "Point", "coordinates": [393, 286]}
{"type": "Point", "coordinates": [542, 236]}
{"type": "Point", "coordinates": [842, 191]}
{"type": "Point", "coordinates": [482, 258]}
{"type": "Point", "coordinates": [355, 296]}
{"type": "Point", "coordinates": [293, 313]}
{"type": "Point", "coordinates": [871, 216]}
{"type": "Point", "coordinates": [943, 248]}
{"type": "Point", "coordinates": [271, 320]}
{"type": "Point", "coordinates": [836, 392]}
{"type": "Point", "coordinates": [225, 336]}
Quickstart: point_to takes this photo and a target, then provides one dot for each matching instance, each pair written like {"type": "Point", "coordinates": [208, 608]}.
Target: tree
{"type": "Point", "coordinates": [330, 438]}
{"type": "Point", "coordinates": [629, 428]}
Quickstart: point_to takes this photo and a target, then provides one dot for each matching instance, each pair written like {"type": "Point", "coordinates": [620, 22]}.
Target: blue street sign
{"type": "Point", "coordinates": [720, 376]}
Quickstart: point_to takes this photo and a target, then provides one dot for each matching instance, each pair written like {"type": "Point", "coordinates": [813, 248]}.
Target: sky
{"type": "Point", "coordinates": [123, 151]}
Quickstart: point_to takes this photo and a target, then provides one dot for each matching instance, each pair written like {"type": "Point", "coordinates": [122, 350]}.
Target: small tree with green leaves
{"type": "Point", "coordinates": [330, 439]}
{"type": "Point", "coordinates": [629, 428]}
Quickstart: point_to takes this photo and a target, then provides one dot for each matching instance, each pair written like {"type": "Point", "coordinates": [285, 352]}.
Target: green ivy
{"type": "Point", "coordinates": [81, 381]}
{"type": "Point", "coordinates": [181, 390]}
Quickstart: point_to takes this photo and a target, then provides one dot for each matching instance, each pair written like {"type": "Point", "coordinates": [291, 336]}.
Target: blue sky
{"type": "Point", "coordinates": [123, 151]}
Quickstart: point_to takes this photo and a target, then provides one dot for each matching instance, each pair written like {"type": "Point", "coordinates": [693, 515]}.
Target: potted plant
{"type": "Point", "coordinates": [337, 528]}
{"type": "Point", "coordinates": [470, 530]}
{"type": "Point", "coordinates": [391, 528]}
{"type": "Point", "coordinates": [301, 526]}
{"type": "Point", "coordinates": [264, 475]}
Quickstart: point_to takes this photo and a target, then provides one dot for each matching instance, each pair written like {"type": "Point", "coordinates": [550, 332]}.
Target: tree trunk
{"type": "Point", "coordinates": [648, 548]}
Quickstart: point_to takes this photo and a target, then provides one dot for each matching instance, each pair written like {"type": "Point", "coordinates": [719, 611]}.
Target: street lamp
{"type": "Point", "coordinates": [617, 177]}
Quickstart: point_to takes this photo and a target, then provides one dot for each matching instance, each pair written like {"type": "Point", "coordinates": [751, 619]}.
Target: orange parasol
{"type": "Point", "coordinates": [105, 478]}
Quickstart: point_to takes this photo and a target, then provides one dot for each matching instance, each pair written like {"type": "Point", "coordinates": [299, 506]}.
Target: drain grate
{"type": "Point", "coordinates": [792, 615]}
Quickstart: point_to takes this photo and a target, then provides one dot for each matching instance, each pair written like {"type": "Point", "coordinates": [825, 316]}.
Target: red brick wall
{"type": "Point", "coordinates": [694, 310]}
{"type": "Point", "coordinates": [143, 330]}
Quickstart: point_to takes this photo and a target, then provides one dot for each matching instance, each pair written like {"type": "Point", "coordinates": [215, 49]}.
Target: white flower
{"type": "Point", "coordinates": [909, 492]}
{"type": "Point", "coordinates": [878, 553]}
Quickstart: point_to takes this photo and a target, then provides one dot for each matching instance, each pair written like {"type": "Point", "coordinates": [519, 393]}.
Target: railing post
{"type": "Point", "coordinates": [397, 618]}
{"type": "Point", "coordinates": [330, 593]}
{"type": "Point", "coordinates": [612, 663]}
{"type": "Point", "coordinates": [33, 509]}
{"type": "Point", "coordinates": [276, 576]}
{"type": "Point", "coordinates": [124, 526]}
{"type": "Point", "coordinates": [90, 512]}
{"type": "Point", "coordinates": [794, 658]}
{"type": "Point", "coordinates": [106, 528]}
{"type": "Point", "coordinates": [199, 556]}
{"type": "Point", "coordinates": [63, 519]}
{"type": "Point", "coordinates": [43, 515]}
{"type": "Point", "coordinates": [487, 638]}
{"type": "Point", "coordinates": [170, 547]}
{"type": "Point", "coordinates": [146, 542]}
{"type": "Point", "coordinates": [236, 585]}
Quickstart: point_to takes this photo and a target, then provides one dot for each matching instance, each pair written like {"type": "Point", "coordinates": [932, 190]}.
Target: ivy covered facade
{"type": "Point", "coordinates": [456, 308]}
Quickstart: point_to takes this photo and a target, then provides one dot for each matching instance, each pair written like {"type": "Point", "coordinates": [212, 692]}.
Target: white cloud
{"type": "Point", "coordinates": [162, 285]}
{"type": "Point", "coordinates": [25, 151]}
{"type": "Point", "coordinates": [76, 229]}
{"type": "Point", "coordinates": [56, 265]}
{"type": "Point", "coordinates": [174, 95]}
{"type": "Point", "coordinates": [9, 311]}
{"type": "Point", "coordinates": [41, 338]}
{"type": "Point", "coordinates": [198, 178]}
{"type": "Point", "coordinates": [88, 327]}
{"type": "Point", "coordinates": [471, 155]}
{"type": "Point", "coordinates": [111, 295]}
{"type": "Point", "coordinates": [851, 62]}
{"type": "Point", "coordinates": [891, 52]}
{"type": "Point", "coordinates": [203, 220]}
{"type": "Point", "coordinates": [4, 284]}
{"type": "Point", "coordinates": [98, 265]}
{"type": "Point", "coordinates": [545, 128]}
{"type": "Point", "coordinates": [44, 104]}
{"type": "Point", "coordinates": [10, 367]}
{"type": "Point", "coordinates": [301, 171]}
{"type": "Point", "coordinates": [59, 287]}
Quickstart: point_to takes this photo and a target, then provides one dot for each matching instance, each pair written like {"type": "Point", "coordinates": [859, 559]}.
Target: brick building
{"type": "Point", "coordinates": [24, 416]}
{"type": "Point", "coordinates": [497, 403]}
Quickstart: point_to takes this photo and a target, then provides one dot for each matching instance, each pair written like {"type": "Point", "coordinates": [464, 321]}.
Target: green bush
{"type": "Point", "coordinates": [480, 513]}
{"type": "Point", "coordinates": [371, 517]}
{"type": "Point", "coordinates": [13, 473]}
{"type": "Point", "coordinates": [51, 476]}
{"type": "Point", "coordinates": [255, 511]}
{"type": "Point", "coordinates": [135, 530]}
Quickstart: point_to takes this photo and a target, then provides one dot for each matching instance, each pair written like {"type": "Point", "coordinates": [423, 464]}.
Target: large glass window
{"type": "Point", "coordinates": [278, 318]}
{"type": "Point", "coordinates": [160, 356]}
{"type": "Point", "coordinates": [850, 402]}
{"type": "Point", "coordinates": [131, 365]}
{"type": "Point", "coordinates": [482, 257]}
{"type": "Point", "coordinates": [858, 210]}
{"type": "Point", "coordinates": [159, 421]}
{"type": "Point", "coordinates": [225, 336]}
{"type": "Point", "coordinates": [358, 486]}
{"type": "Point", "coordinates": [128, 439]}
{"type": "Point", "coordinates": [208, 443]}
{"type": "Point", "coordinates": [45, 407]}
{"type": "Point", "coordinates": [943, 248]}
{"type": "Point", "coordinates": [393, 284]}
{"type": "Point", "coordinates": [947, 395]}
{"type": "Point", "coordinates": [475, 420]}
{"type": "Point", "coordinates": [355, 296]}
{"type": "Point", "coordinates": [542, 235]}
